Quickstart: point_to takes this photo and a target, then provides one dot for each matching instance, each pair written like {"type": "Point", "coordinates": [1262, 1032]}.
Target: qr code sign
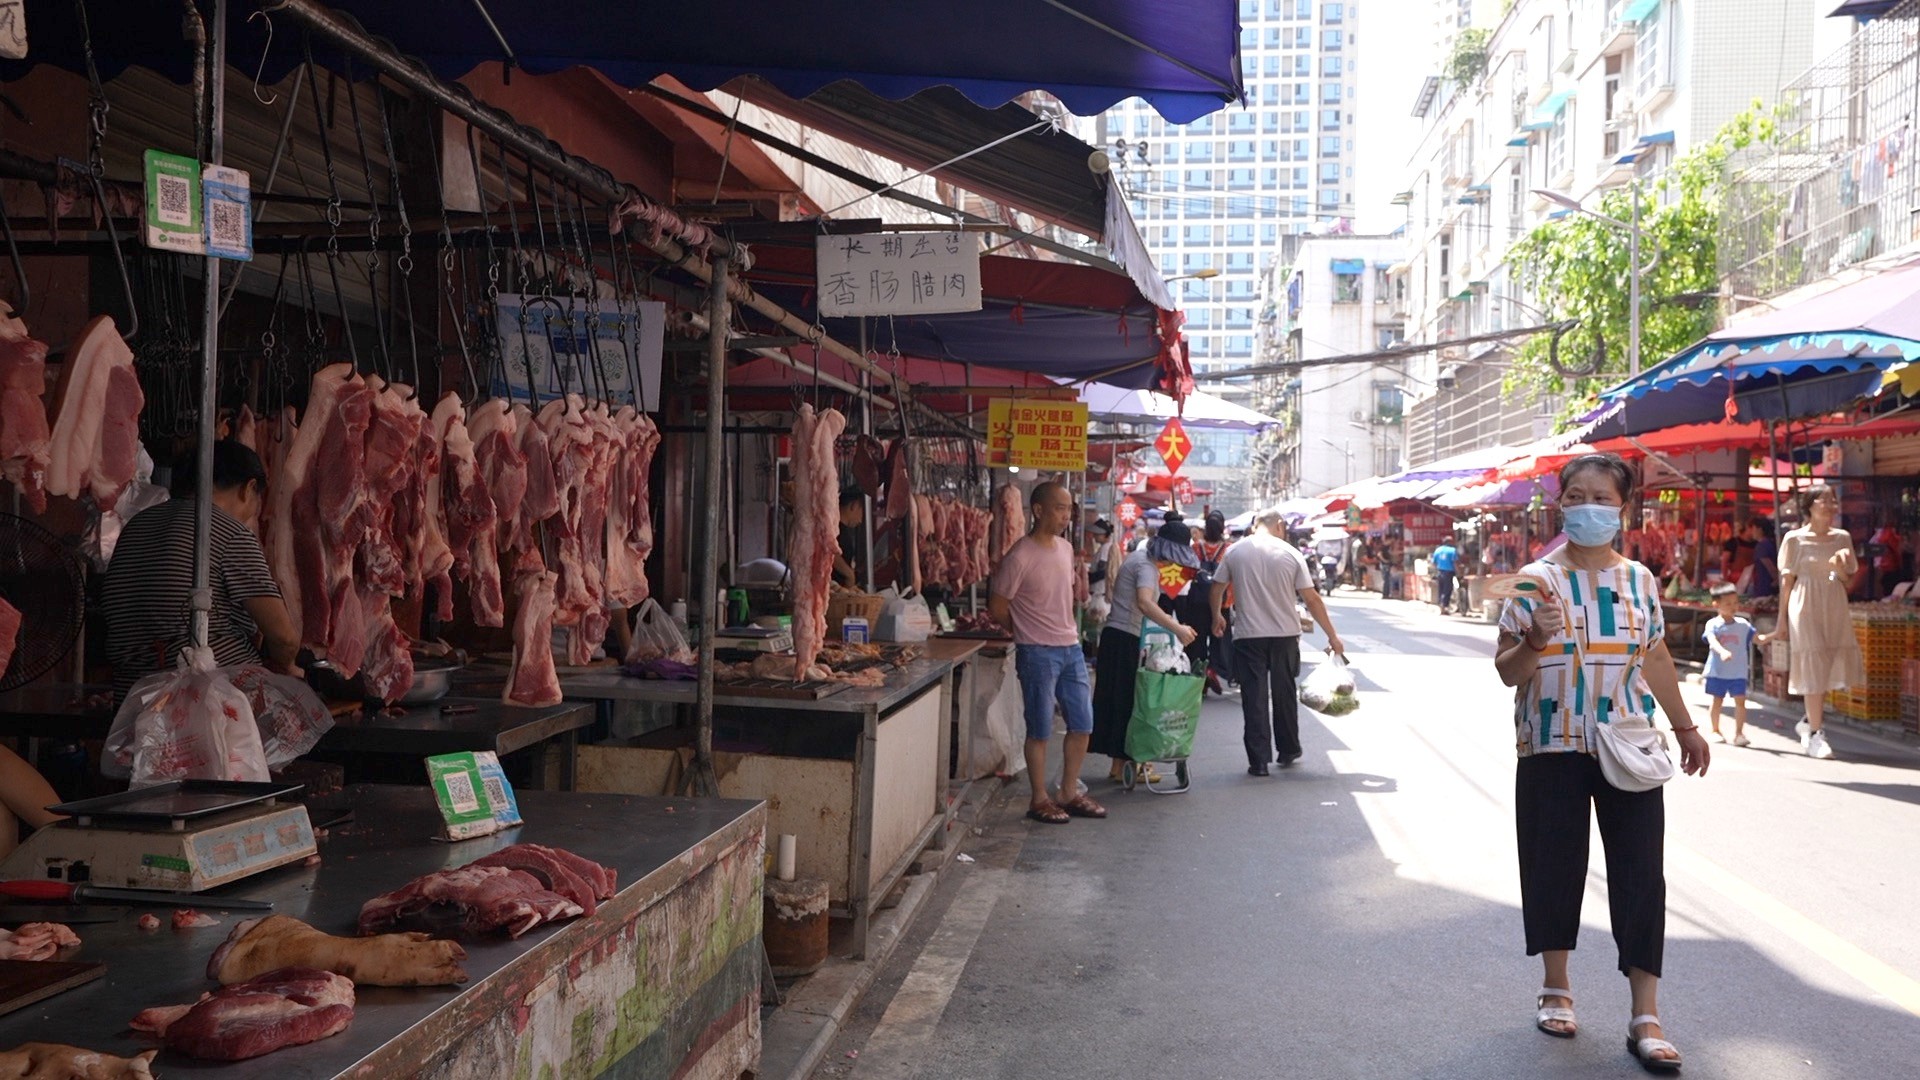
{"type": "Point", "coordinates": [176, 200]}
{"type": "Point", "coordinates": [460, 793]}
{"type": "Point", "coordinates": [496, 791]}
{"type": "Point", "coordinates": [228, 224]}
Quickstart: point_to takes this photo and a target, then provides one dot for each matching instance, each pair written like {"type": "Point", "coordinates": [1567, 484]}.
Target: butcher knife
{"type": "Point", "coordinates": [21, 914]}
{"type": "Point", "coordinates": [84, 894]}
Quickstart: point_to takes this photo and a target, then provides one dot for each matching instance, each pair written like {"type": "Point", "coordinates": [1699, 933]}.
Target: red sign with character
{"type": "Point", "coordinates": [1173, 444]}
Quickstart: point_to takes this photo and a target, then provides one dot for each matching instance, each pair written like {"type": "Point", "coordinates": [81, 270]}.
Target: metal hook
{"type": "Point", "coordinates": [262, 67]}
{"type": "Point", "coordinates": [19, 268]}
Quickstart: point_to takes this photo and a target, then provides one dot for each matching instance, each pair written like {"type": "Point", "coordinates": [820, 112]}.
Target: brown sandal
{"type": "Point", "coordinates": [1048, 813]}
{"type": "Point", "coordinates": [1082, 806]}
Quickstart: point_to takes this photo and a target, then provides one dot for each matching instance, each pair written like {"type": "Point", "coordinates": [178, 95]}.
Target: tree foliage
{"type": "Point", "coordinates": [1468, 60]}
{"type": "Point", "coordinates": [1575, 269]}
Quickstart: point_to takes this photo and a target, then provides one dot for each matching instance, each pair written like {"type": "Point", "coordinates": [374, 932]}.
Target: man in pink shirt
{"type": "Point", "coordinates": [1033, 595]}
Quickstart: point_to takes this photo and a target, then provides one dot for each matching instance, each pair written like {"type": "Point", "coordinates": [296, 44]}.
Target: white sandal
{"type": "Point", "coordinates": [1644, 1048]}
{"type": "Point", "coordinates": [1554, 1013]}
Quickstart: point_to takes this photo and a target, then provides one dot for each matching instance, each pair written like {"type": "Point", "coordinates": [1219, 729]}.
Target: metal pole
{"type": "Point", "coordinates": [209, 357]}
{"type": "Point", "coordinates": [866, 428]}
{"type": "Point", "coordinates": [1633, 284]}
{"type": "Point", "coordinates": [702, 780]}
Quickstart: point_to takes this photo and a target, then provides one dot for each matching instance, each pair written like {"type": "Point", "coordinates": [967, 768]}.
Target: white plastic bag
{"type": "Point", "coordinates": [1168, 659]}
{"type": "Point", "coordinates": [1329, 687]}
{"type": "Point", "coordinates": [902, 619]}
{"type": "Point", "coordinates": [290, 716]}
{"type": "Point", "coordinates": [191, 723]}
{"type": "Point", "coordinates": [657, 637]}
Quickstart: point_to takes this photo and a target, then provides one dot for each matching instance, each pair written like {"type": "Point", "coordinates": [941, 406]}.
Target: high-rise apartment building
{"type": "Point", "coordinates": [1214, 197]}
{"type": "Point", "coordinates": [1564, 96]}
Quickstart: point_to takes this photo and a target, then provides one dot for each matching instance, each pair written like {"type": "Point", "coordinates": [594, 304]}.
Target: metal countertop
{"type": "Point", "coordinates": [385, 847]}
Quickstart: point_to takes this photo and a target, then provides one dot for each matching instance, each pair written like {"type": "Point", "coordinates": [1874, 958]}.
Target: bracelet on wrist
{"type": "Point", "coordinates": [1689, 727]}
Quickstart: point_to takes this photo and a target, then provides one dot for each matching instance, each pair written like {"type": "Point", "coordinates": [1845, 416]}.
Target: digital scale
{"type": "Point", "coordinates": [754, 639]}
{"type": "Point", "coordinates": [181, 836]}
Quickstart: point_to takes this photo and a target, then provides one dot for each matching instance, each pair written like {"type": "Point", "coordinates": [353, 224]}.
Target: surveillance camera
{"type": "Point", "coordinates": [1446, 381]}
{"type": "Point", "coordinates": [1099, 162]}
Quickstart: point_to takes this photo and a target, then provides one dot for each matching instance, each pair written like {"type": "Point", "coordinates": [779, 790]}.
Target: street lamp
{"type": "Point", "coordinates": [1634, 269]}
{"type": "Point", "coordinates": [1347, 452]}
{"type": "Point", "coordinates": [1201, 274]}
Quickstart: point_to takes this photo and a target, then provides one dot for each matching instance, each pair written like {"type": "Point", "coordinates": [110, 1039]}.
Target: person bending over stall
{"type": "Point", "coordinates": [148, 597]}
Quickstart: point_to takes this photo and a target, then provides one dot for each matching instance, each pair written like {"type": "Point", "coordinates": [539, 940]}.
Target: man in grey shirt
{"type": "Point", "coordinates": [1267, 575]}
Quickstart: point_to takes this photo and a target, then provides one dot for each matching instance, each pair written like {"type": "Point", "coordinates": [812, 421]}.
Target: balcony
{"type": "Point", "coordinates": [1616, 34]}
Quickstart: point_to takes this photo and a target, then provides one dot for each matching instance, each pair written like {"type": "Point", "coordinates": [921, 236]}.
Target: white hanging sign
{"type": "Point", "coordinates": [913, 273]}
{"type": "Point", "coordinates": [554, 350]}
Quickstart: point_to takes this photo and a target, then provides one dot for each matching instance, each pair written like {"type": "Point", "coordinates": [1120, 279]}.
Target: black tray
{"type": "Point", "coordinates": [177, 800]}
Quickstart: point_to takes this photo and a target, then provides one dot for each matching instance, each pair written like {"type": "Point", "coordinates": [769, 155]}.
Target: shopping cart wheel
{"type": "Point", "coordinates": [1129, 775]}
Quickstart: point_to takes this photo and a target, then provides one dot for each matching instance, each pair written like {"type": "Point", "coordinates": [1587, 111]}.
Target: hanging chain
{"type": "Point", "coordinates": [405, 262]}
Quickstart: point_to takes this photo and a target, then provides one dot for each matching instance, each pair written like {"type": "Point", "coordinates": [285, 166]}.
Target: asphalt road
{"type": "Point", "coordinates": [1358, 914]}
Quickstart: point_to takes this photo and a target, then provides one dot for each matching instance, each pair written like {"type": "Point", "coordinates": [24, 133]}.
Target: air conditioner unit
{"type": "Point", "coordinates": [1359, 416]}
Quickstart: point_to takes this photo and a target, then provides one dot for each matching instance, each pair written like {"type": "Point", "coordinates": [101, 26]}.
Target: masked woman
{"type": "Point", "coordinates": [1591, 650]}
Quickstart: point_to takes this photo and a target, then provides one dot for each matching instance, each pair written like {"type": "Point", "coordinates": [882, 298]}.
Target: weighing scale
{"type": "Point", "coordinates": [754, 639]}
{"type": "Point", "coordinates": [181, 836]}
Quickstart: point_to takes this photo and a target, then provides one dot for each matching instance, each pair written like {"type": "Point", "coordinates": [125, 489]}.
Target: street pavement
{"type": "Point", "coordinates": [1357, 915]}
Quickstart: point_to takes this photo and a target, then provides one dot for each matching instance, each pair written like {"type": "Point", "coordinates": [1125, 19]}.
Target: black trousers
{"type": "Point", "coordinates": [1266, 668]}
{"type": "Point", "coordinates": [1552, 794]}
{"type": "Point", "coordinates": [1446, 590]}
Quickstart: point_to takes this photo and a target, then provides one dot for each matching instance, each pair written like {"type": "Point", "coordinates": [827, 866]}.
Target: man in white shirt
{"type": "Point", "coordinates": [1270, 580]}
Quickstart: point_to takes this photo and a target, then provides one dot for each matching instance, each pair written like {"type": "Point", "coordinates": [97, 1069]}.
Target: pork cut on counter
{"type": "Point", "coordinates": [286, 1007]}
{"type": "Point", "coordinates": [26, 444]}
{"type": "Point", "coordinates": [514, 889]}
{"type": "Point", "coordinates": [37, 941]}
{"type": "Point", "coordinates": [95, 442]}
{"type": "Point", "coordinates": [470, 899]}
{"type": "Point", "coordinates": [258, 946]}
{"type": "Point", "coordinates": [57, 1061]}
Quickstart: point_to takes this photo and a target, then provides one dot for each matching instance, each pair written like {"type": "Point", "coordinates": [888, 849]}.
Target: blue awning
{"type": "Point", "coordinates": [1658, 138]}
{"type": "Point", "coordinates": [1639, 9]}
{"type": "Point", "coordinates": [1181, 56]}
{"type": "Point", "coordinates": [1349, 266]}
{"type": "Point", "coordinates": [1550, 109]}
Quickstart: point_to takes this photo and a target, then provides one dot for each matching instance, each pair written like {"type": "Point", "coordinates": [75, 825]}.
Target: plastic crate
{"type": "Point", "coordinates": [1775, 684]}
{"type": "Point", "coordinates": [1778, 655]}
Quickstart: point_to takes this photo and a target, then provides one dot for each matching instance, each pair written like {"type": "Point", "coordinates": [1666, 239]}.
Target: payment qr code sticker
{"type": "Point", "coordinates": [229, 212]}
{"type": "Point", "coordinates": [176, 200]}
{"type": "Point", "coordinates": [460, 793]}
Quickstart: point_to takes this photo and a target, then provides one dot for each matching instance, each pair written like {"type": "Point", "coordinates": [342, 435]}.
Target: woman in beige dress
{"type": "Point", "coordinates": [1816, 564]}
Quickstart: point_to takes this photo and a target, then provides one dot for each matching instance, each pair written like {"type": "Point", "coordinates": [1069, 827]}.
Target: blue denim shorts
{"type": "Point", "coordinates": [1050, 673]}
{"type": "Point", "coordinates": [1718, 687]}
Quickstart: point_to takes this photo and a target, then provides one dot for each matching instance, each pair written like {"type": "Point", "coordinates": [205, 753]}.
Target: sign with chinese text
{"type": "Point", "coordinates": [1173, 578]}
{"type": "Point", "coordinates": [1173, 444]}
{"type": "Point", "coordinates": [173, 204]}
{"type": "Point", "coordinates": [1048, 435]}
{"type": "Point", "coordinates": [554, 346]}
{"type": "Point", "coordinates": [1127, 511]}
{"type": "Point", "coordinates": [1426, 528]}
{"type": "Point", "coordinates": [915, 273]}
{"type": "Point", "coordinates": [1183, 491]}
{"type": "Point", "coordinates": [227, 199]}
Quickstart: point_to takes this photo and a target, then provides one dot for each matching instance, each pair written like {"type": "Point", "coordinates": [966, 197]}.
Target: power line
{"type": "Point", "coordinates": [1403, 349]}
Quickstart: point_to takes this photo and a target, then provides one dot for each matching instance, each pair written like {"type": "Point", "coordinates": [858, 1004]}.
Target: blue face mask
{"type": "Point", "coordinates": [1591, 524]}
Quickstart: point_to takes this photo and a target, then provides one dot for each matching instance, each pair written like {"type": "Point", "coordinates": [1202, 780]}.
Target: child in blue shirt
{"type": "Point", "coordinates": [1729, 641]}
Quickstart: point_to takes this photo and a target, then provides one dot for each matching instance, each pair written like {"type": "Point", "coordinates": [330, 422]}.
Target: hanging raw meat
{"type": "Point", "coordinates": [26, 445]}
{"type": "Point", "coordinates": [278, 434]}
{"type": "Point", "coordinates": [246, 429]}
{"type": "Point", "coordinates": [9, 633]}
{"type": "Point", "coordinates": [541, 500]}
{"type": "Point", "coordinates": [630, 521]}
{"type": "Point", "coordinates": [899, 483]}
{"type": "Point", "coordinates": [1009, 523]}
{"type": "Point", "coordinates": [320, 498]}
{"type": "Point", "coordinates": [95, 443]}
{"type": "Point", "coordinates": [582, 452]}
{"type": "Point", "coordinates": [589, 632]}
{"type": "Point", "coordinates": [816, 528]}
{"type": "Point", "coordinates": [503, 473]}
{"type": "Point", "coordinates": [467, 509]}
{"type": "Point", "coordinates": [532, 680]}
{"type": "Point", "coordinates": [420, 521]}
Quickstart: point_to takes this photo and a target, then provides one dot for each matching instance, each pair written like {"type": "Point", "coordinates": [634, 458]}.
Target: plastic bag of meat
{"type": "Point", "coordinates": [657, 637]}
{"type": "Point", "coordinates": [189, 723]}
{"type": "Point", "coordinates": [291, 717]}
{"type": "Point", "coordinates": [103, 526]}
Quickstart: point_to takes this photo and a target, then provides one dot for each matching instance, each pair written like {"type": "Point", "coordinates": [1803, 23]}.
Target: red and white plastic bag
{"type": "Point", "coordinates": [191, 723]}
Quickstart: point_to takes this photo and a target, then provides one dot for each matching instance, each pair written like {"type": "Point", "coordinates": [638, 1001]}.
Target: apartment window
{"type": "Point", "coordinates": [1269, 149]}
{"type": "Point", "coordinates": [1300, 176]}
{"type": "Point", "coordinates": [1303, 9]}
{"type": "Point", "coordinates": [1543, 37]}
{"type": "Point", "coordinates": [1240, 121]}
{"type": "Point", "coordinates": [1381, 292]}
{"type": "Point", "coordinates": [1516, 192]}
{"type": "Point", "coordinates": [1330, 172]}
{"type": "Point", "coordinates": [1446, 257]}
{"type": "Point", "coordinates": [1558, 138]}
{"type": "Point", "coordinates": [1202, 126]}
{"type": "Point", "coordinates": [1346, 288]}
{"type": "Point", "coordinates": [1300, 149]}
{"type": "Point", "coordinates": [1298, 207]}
{"type": "Point", "coordinates": [1329, 146]}
{"type": "Point", "coordinates": [1270, 94]}
{"type": "Point", "coordinates": [1329, 119]}
{"type": "Point", "coordinates": [1196, 234]}
{"type": "Point", "coordinates": [1243, 289]}
{"type": "Point", "coordinates": [1249, 9]}
{"type": "Point", "coordinates": [1389, 402]}
{"type": "Point", "coordinates": [1239, 345]}
{"type": "Point", "coordinates": [1330, 40]}
{"type": "Point", "coordinates": [1240, 179]}
{"type": "Point", "coordinates": [1240, 233]}
{"type": "Point", "coordinates": [1249, 40]}
{"type": "Point", "coordinates": [1650, 54]}
{"type": "Point", "coordinates": [1615, 118]}
{"type": "Point", "coordinates": [1199, 318]}
{"type": "Point", "coordinates": [1240, 150]}
{"type": "Point", "coordinates": [1272, 64]}
{"type": "Point", "coordinates": [1332, 14]}
{"type": "Point", "coordinates": [1331, 67]}
{"type": "Point", "coordinates": [1329, 199]}
{"type": "Point", "coordinates": [1329, 93]}
{"type": "Point", "coordinates": [1196, 178]}
{"type": "Point", "coordinates": [1269, 235]}
{"type": "Point", "coordinates": [1140, 126]}
{"type": "Point", "coordinates": [1386, 337]}
{"type": "Point", "coordinates": [1269, 178]}
{"type": "Point", "coordinates": [1199, 151]}
{"type": "Point", "coordinates": [1239, 318]}
{"type": "Point", "coordinates": [1302, 38]}
{"type": "Point", "coordinates": [1240, 260]}
{"type": "Point", "coordinates": [1303, 66]}
{"type": "Point", "coordinates": [1273, 37]}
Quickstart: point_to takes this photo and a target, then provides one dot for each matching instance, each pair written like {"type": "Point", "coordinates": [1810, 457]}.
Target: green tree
{"type": "Point", "coordinates": [1576, 268]}
{"type": "Point", "coordinates": [1468, 59]}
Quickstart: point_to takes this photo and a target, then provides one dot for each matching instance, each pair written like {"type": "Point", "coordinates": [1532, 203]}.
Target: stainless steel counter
{"type": "Point", "coordinates": [387, 845]}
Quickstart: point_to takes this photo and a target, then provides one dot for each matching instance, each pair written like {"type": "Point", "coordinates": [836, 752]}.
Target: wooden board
{"type": "Point", "coordinates": [23, 982]}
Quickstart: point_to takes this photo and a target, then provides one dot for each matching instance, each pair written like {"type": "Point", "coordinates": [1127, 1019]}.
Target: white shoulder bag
{"type": "Point", "coordinates": [1632, 752]}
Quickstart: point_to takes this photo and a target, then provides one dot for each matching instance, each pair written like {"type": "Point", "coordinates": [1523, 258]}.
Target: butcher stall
{"type": "Point", "coordinates": [662, 979]}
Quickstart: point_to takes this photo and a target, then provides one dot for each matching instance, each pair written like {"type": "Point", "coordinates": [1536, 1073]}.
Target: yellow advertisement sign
{"type": "Point", "coordinates": [1046, 435]}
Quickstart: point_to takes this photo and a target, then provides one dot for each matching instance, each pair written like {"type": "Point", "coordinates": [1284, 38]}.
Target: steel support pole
{"type": "Point", "coordinates": [209, 356]}
{"type": "Point", "coordinates": [1633, 284]}
{"type": "Point", "coordinates": [702, 780]}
